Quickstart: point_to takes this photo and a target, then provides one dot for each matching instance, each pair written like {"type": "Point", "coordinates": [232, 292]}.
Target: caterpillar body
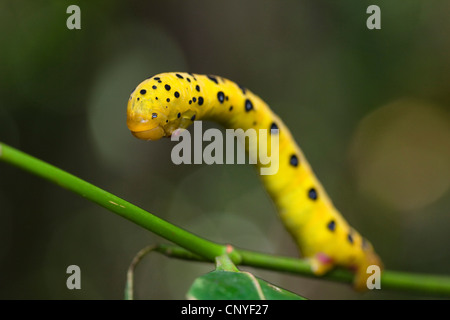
{"type": "Point", "coordinates": [166, 102]}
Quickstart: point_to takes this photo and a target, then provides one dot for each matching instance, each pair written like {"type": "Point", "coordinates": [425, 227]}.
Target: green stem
{"type": "Point", "coordinates": [224, 263]}
{"type": "Point", "coordinates": [195, 244]}
{"type": "Point", "coordinates": [413, 282]}
{"type": "Point", "coordinates": [390, 280]}
{"type": "Point", "coordinates": [196, 248]}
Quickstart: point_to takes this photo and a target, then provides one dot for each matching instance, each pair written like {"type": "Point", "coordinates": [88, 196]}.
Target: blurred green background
{"type": "Point", "coordinates": [369, 108]}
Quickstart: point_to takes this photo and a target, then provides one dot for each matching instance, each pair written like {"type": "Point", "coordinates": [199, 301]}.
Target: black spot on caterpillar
{"type": "Point", "coordinates": [320, 231]}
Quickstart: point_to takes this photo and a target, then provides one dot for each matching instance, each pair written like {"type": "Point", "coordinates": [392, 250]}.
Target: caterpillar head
{"type": "Point", "coordinates": [146, 115]}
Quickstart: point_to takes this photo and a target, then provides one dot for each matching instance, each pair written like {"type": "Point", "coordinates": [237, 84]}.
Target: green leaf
{"type": "Point", "coordinates": [228, 285]}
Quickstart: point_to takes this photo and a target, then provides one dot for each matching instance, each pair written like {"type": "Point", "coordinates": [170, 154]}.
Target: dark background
{"type": "Point", "coordinates": [369, 108]}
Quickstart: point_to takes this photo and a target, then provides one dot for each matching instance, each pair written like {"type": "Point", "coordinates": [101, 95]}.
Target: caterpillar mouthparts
{"type": "Point", "coordinates": [153, 134]}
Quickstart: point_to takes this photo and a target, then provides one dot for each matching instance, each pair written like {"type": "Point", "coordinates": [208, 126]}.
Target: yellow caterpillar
{"type": "Point", "coordinates": [169, 101]}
